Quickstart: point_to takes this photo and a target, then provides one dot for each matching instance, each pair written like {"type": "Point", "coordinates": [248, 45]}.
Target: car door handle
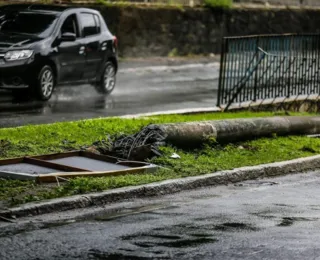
{"type": "Point", "coordinates": [104, 46]}
{"type": "Point", "coordinates": [82, 50]}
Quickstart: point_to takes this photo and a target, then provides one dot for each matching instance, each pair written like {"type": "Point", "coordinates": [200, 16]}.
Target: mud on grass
{"type": "Point", "coordinates": [59, 137]}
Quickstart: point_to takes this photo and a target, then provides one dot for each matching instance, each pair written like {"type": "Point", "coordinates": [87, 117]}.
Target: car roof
{"type": "Point", "coordinates": [53, 9]}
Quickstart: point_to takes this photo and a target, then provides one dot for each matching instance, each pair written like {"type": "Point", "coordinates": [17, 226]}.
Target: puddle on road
{"type": "Point", "coordinates": [143, 235]}
{"type": "Point", "coordinates": [314, 207]}
{"type": "Point", "coordinates": [165, 213]}
{"type": "Point", "coordinates": [165, 236]}
{"type": "Point", "coordinates": [160, 238]}
{"type": "Point", "coordinates": [205, 196]}
{"type": "Point", "coordinates": [131, 211]}
{"type": "Point", "coordinates": [203, 230]}
{"type": "Point", "coordinates": [96, 254]}
{"type": "Point", "coordinates": [201, 235]}
{"type": "Point", "coordinates": [263, 215]}
{"type": "Point", "coordinates": [284, 205]}
{"type": "Point", "coordinates": [289, 221]}
{"type": "Point", "coordinates": [234, 226]}
{"type": "Point", "coordinates": [46, 225]}
{"type": "Point", "coordinates": [224, 227]}
{"type": "Point", "coordinates": [192, 242]}
{"type": "Point", "coordinates": [33, 226]}
{"type": "Point", "coordinates": [255, 184]}
{"type": "Point", "coordinates": [188, 242]}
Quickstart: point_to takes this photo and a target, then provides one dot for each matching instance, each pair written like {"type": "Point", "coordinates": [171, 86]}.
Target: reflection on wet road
{"type": "Point", "coordinates": [139, 90]}
{"type": "Point", "coordinates": [263, 219]}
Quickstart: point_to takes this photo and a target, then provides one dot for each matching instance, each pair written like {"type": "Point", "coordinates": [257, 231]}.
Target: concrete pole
{"type": "Point", "coordinates": [223, 131]}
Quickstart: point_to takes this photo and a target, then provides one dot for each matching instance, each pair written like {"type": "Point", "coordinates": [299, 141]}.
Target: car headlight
{"type": "Point", "coordinates": [18, 55]}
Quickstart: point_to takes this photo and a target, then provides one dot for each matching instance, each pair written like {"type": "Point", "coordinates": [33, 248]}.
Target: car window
{"type": "Point", "coordinates": [37, 24]}
{"type": "Point", "coordinates": [70, 25]}
{"type": "Point", "coordinates": [89, 25]}
{"type": "Point", "coordinates": [97, 20]}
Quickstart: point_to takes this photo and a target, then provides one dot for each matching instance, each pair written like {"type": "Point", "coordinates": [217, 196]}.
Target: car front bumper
{"type": "Point", "coordinates": [16, 75]}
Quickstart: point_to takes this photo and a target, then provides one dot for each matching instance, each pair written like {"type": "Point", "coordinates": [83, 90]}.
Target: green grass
{"type": "Point", "coordinates": [58, 137]}
{"type": "Point", "coordinates": [33, 140]}
{"type": "Point", "coordinates": [224, 4]}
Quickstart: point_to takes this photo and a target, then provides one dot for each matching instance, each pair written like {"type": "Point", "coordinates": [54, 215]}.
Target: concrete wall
{"type": "Point", "coordinates": [282, 2]}
{"type": "Point", "coordinates": [158, 31]}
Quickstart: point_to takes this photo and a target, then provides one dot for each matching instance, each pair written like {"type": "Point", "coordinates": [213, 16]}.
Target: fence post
{"type": "Point", "coordinates": [256, 72]}
{"type": "Point", "coordinates": [289, 70]}
{"type": "Point", "coordinates": [318, 62]}
{"type": "Point", "coordinates": [222, 70]}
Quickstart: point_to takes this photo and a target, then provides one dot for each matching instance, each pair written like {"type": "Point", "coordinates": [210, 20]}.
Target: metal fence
{"type": "Point", "coordinates": [268, 67]}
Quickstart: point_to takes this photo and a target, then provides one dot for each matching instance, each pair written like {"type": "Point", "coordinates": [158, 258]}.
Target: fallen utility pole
{"type": "Point", "coordinates": [145, 144]}
{"type": "Point", "coordinates": [195, 133]}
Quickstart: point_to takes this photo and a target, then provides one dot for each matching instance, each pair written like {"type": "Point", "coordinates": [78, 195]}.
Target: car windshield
{"type": "Point", "coordinates": [40, 25]}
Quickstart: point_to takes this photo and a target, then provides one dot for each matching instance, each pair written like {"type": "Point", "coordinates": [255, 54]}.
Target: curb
{"type": "Point", "coordinates": [187, 111]}
{"type": "Point", "coordinates": [163, 68]}
{"type": "Point", "coordinates": [129, 63]}
{"type": "Point", "coordinates": [165, 187]}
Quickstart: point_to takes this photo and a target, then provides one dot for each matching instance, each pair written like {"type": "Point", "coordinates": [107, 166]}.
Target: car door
{"type": "Point", "coordinates": [71, 53]}
{"type": "Point", "coordinates": [91, 32]}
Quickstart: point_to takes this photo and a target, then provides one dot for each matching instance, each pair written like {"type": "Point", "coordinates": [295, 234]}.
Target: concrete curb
{"type": "Point", "coordinates": [163, 68]}
{"type": "Point", "coordinates": [165, 187]}
{"type": "Point", "coordinates": [260, 105]}
{"type": "Point", "coordinates": [187, 111]}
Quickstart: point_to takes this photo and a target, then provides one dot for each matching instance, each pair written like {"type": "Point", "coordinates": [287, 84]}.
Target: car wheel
{"type": "Point", "coordinates": [45, 83]}
{"type": "Point", "coordinates": [108, 79]}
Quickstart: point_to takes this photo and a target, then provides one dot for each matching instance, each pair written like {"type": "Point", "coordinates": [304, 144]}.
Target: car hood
{"type": "Point", "coordinates": [16, 41]}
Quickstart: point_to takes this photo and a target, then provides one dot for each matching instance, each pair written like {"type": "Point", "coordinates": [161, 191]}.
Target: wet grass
{"type": "Point", "coordinates": [59, 137]}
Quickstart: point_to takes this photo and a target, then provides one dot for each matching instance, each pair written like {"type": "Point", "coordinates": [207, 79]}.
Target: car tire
{"type": "Point", "coordinates": [107, 81]}
{"type": "Point", "coordinates": [45, 83]}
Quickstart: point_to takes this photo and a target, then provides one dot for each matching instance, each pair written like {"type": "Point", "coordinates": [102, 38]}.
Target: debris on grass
{"type": "Point", "coordinates": [145, 144]}
{"type": "Point", "coordinates": [175, 156]}
{"type": "Point", "coordinates": [44, 139]}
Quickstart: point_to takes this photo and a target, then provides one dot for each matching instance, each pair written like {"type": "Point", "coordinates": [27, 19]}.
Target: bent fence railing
{"type": "Point", "coordinates": [263, 67]}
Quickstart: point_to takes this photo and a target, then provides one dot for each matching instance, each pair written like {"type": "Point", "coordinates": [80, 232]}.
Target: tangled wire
{"type": "Point", "coordinates": [140, 146]}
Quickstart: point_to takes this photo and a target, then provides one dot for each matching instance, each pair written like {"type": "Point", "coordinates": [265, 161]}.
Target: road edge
{"type": "Point", "coordinates": [164, 187]}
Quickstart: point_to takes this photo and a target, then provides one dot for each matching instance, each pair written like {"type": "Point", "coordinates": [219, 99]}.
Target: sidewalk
{"type": "Point", "coordinates": [165, 61]}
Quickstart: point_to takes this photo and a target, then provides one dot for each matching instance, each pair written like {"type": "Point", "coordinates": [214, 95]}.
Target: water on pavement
{"type": "Point", "coordinates": [138, 90]}
{"type": "Point", "coordinates": [263, 219]}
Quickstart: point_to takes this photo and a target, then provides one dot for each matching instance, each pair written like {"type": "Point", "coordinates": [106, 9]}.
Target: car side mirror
{"type": "Point", "coordinates": [68, 37]}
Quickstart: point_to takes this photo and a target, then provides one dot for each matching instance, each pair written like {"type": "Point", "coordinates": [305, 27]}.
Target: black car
{"type": "Point", "coordinates": [42, 46]}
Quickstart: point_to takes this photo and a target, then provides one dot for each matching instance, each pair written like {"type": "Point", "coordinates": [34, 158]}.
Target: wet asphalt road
{"type": "Point", "coordinates": [263, 219]}
{"type": "Point", "coordinates": [141, 88]}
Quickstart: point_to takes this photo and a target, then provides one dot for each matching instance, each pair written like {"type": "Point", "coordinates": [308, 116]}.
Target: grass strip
{"type": "Point", "coordinates": [59, 137]}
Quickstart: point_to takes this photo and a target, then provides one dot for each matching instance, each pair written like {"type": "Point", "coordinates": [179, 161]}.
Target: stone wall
{"type": "Point", "coordinates": [154, 31]}
{"type": "Point", "coordinates": [281, 2]}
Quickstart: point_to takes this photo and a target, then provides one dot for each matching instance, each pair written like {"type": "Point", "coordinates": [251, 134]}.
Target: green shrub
{"type": "Point", "coordinates": [173, 53]}
{"type": "Point", "coordinates": [101, 2]}
{"type": "Point", "coordinates": [225, 4]}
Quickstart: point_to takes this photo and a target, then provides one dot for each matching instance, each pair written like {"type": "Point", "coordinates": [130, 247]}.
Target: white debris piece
{"type": "Point", "coordinates": [175, 156]}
